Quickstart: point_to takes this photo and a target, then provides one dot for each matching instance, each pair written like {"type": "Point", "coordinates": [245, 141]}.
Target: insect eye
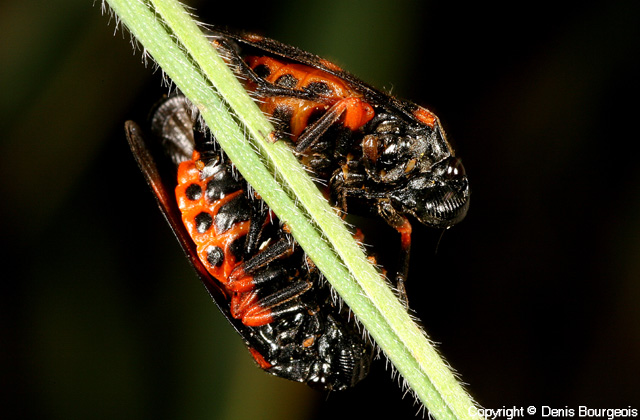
{"type": "Point", "coordinates": [454, 168]}
{"type": "Point", "coordinates": [370, 146]}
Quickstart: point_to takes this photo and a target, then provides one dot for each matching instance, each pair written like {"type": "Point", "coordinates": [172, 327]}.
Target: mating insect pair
{"type": "Point", "coordinates": [259, 278]}
{"type": "Point", "coordinates": [371, 149]}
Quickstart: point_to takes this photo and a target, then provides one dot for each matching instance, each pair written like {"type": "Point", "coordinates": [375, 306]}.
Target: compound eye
{"type": "Point", "coordinates": [370, 148]}
{"type": "Point", "coordinates": [319, 381]}
{"type": "Point", "coordinates": [454, 168]}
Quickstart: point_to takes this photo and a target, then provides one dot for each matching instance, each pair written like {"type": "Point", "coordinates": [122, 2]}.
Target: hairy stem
{"type": "Point", "coordinates": [175, 42]}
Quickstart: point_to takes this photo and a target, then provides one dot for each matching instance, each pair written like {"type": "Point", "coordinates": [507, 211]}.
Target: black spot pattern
{"type": "Point", "coordinates": [319, 89]}
{"type": "Point", "coordinates": [215, 256]}
{"type": "Point", "coordinates": [221, 184]}
{"type": "Point", "coordinates": [262, 71]}
{"type": "Point", "coordinates": [287, 81]}
{"type": "Point", "coordinates": [193, 192]}
{"type": "Point", "coordinates": [282, 119]}
{"type": "Point", "coordinates": [204, 221]}
{"type": "Point", "coordinates": [236, 210]}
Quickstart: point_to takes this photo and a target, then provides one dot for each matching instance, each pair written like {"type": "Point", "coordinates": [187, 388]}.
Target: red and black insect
{"type": "Point", "coordinates": [257, 274]}
{"type": "Point", "coordinates": [372, 151]}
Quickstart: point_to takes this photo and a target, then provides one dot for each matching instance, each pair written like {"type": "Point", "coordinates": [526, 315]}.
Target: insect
{"type": "Point", "coordinates": [384, 155]}
{"type": "Point", "coordinates": [259, 278]}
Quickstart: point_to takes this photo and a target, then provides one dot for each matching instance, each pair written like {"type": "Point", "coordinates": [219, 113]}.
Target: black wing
{"type": "Point", "coordinates": [162, 181]}
{"type": "Point", "coordinates": [295, 54]}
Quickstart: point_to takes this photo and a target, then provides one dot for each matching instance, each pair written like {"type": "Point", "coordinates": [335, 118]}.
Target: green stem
{"type": "Point", "coordinates": [175, 42]}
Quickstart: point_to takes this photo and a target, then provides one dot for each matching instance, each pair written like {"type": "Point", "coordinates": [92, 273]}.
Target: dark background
{"type": "Point", "coordinates": [534, 297]}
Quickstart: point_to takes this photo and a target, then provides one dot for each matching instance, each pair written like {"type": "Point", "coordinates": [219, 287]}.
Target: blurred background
{"type": "Point", "coordinates": [534, 297]}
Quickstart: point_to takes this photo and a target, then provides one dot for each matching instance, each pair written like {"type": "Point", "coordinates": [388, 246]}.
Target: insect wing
{"type": "Point", "coordinates": [315, 342]}
{"type": "Point", "coordinates": [272, 47]}
{"type": "Point", "coordinates": [159, 181]}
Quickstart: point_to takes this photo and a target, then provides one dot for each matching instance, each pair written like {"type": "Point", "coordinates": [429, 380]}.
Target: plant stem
{"type": "Point", "coordinates": [174, 41]}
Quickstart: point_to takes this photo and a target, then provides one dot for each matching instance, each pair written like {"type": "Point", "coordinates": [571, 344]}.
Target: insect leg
{"type": "Point", "coordinates": [313, 132]}
{"type": "Point", "coordinates": [245, 276]}
{"type": "Point", "coordinates": [254, 310]}
{"type": "Point", "coordinates": [244, 72]}
{"type": "Point", "coordinates": [260, 219]}
{"type": "Point", "coordinates": [401, 224]}
{"type": "Point", "coordinates": [345, 182]}
{"type": "Point", "coordinates": [405, 254]}
{"type": "Point", "coordinates": [354, 113]}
